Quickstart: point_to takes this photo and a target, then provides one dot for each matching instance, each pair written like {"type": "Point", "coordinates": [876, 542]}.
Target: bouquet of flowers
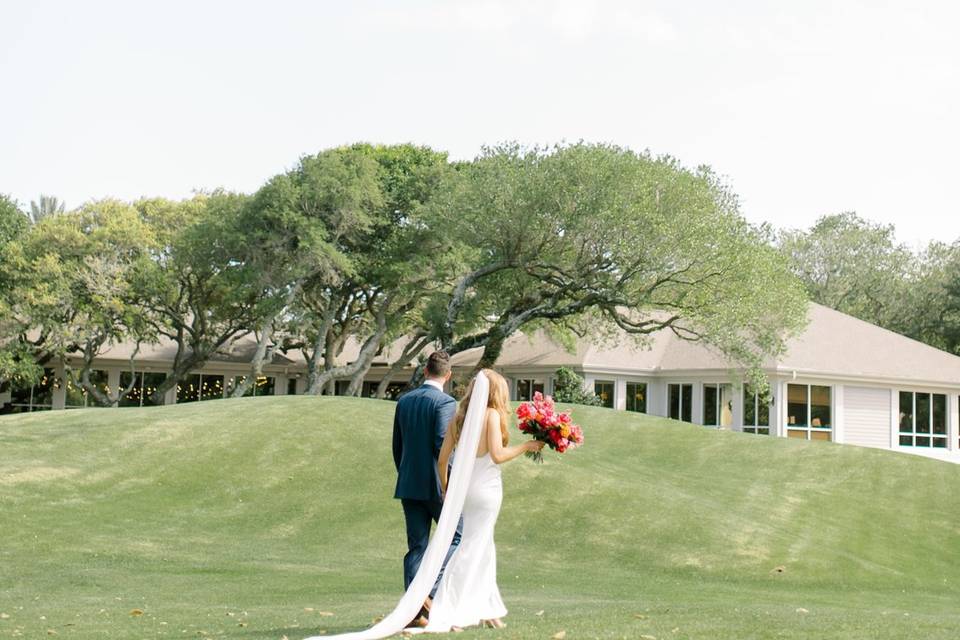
{"type": "Point", "coordinates": [540, 420]}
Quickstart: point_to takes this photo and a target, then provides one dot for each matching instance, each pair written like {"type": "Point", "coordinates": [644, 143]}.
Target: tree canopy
{"type": "Point", "coordinates": [379, 243]}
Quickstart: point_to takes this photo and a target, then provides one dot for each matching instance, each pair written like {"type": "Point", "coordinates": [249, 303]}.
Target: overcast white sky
{"type": "Point", "coordinates": [808, 107]}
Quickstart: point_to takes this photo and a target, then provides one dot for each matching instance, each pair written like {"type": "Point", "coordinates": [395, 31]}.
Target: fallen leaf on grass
{"type": "Point", "coordinates": [639, 616]}
{"type": "Point", "coordinates": [136, 612]}
{"type": "Point", "coordinates": [802, 610]}
{"type": "Point", "coordinates": [377, 619]}
{"type": "Point", "coordinates": [308, 609]}
{"type": "Point", "coordinates": [4, 616]}
{"type": "Point", "coordinates": [539, 613]}
{"type": "Point", "coordinates": [560, 635]}
{"type": "Point", "coordinates": [51, 632]}
{"type": "Point", "coordinates": [649, 637]}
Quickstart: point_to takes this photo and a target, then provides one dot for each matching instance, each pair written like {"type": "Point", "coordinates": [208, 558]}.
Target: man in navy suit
{"type": "Point", "coordinates": [419, 425]}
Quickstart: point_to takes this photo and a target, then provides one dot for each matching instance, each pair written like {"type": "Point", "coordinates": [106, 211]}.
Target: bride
{"type": "Point", "coordinates": [467, 594]}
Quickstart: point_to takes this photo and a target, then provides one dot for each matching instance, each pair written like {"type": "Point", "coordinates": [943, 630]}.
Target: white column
{"type": "Point", "coordinates": [782, 411]}
{"type": "Point", "coordinates": [953, 429]}
{"type": "Point", "coordinates": [737, 398]}
{"type": "Point", "coordinates": [839, 433]}
{"type": "Point", "coordinates": [894, 418]}
{"type": "Point", "coordinates": [620, 394]}
{"type": "Point", "coordinates": [776, 394]}
{"type": "Point", "coordinates": [59, 400]}
{"type": "Point", "coordinates": [696, 403]}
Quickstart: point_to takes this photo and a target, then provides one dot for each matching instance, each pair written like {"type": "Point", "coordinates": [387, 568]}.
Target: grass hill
{"type": "Point", "coordinates": [270, 517]}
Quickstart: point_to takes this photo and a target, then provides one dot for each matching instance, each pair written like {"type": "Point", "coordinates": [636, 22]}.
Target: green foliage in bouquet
{"type": "Point", "coordinates": [568, 387]}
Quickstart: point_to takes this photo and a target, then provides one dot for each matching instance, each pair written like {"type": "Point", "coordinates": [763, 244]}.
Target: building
{"type": "Point", "coordinates": [842, 380]}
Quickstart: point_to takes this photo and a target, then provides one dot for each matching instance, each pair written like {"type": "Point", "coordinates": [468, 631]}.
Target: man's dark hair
{"type": "Point", "coordinates": [438, 364]}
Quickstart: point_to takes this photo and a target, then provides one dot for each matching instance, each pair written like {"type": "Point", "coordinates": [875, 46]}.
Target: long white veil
{"type": "Point", "coordinates": [432, 562]}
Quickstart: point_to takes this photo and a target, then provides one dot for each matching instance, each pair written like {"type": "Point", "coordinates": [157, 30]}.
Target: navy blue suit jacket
{"type": "Point", "coordinates": [419, 424]}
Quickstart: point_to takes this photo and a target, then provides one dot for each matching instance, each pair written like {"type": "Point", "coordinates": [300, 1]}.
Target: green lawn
{"type": "Point", "coordinates": [260, 517]}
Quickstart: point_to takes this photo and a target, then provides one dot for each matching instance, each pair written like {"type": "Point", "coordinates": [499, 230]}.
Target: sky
{"type": "Point", "coordinates": [807, 108]}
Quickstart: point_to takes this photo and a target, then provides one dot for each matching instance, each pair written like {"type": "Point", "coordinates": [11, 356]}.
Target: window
{"type": "Point", "coordinates": [637, 397]}
{"type": "Point", "coordinates": [38, 397]}
{"type": "Point", "coordinates": [717, 405]}
{"type": "Point", "coordinates": [527, 387]}
{"type": "Point", "coordinates": [923, 420]}
{"type": "Point", "coordinates": [604, 390]}
{"type": "Point", "coordinates": [809, 411]}
{"type": "Point", "coordinates": [393, 391]}
{"type": "Point", "coordinates": [756, 412]}
{"type": "Point", "coordinates": [262, 386]}
{"type": "Point", "coordinates": [680, 397]}
{"type": "Point", "coordinates": [200, 386]}
{"type": "Point", "coordinates": [711, 405]}
{"type": "Point", "coordinates": [141, 395]}
{"type": "Point", "coordinates": [76, 396]}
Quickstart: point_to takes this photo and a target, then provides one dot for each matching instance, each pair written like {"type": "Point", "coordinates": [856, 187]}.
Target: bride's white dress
{"type": "Point", "coordinates": [468, 591]}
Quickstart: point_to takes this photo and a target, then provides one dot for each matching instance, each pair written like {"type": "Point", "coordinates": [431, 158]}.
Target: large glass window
{"type": "Point", "coordinates": [76, 396]}
{"type": "Point", "coordinates": [809, 411]}
{"type": "Point", "coordinates": [637, 397]}
{"type": "Point", "coordinates": [604, 390]}
{"type": "Point", "coordinates": [711, 402]}
{"type": "Point", "coordinates": [717, 405]}
{"type": "Point", "coordinates": [392, 392]}
{"type": "Point", "coordinates": [141, 395]}
{"type": "Point", "coordinates": [756, 412]}
{"type": "Point", "coordinates": [680, 401]}
{"type": "Point", "coordinates": [292, 386]}
{"type": "Point", "coordinates": [526, 387]}
{"type": "Point", "coordinates": [262, 386]}
{"type": "Point", "coordinates": [923, 420]}
{"type": "Point", "coordinates": [38, 397]}
{"type": "Point", "coordinates": [188, 389]}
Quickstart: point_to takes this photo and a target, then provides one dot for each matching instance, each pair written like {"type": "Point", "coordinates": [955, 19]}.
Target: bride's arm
{"type": "Point", "coordinates": [443, 461]}
{"type": "Point", "coordinates": [500, 453]}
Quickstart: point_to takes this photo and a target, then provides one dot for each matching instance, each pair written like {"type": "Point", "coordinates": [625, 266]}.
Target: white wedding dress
{"type": "Point", "coordinates": [468, 591]}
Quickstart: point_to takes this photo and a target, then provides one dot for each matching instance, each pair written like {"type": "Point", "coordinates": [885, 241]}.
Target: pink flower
{"type": "Point", "coordinates": [576, 434]}
{"type": "Point", "coordinates": [525, 411]}
{"type": "Point", "coordinates": [537, 397]}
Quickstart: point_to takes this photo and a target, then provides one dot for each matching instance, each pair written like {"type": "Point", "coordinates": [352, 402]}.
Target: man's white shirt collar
{"type": "Point", "coordinates": [434, 383]}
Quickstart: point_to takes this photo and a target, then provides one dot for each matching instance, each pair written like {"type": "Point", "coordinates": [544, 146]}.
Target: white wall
{"type": "Point", "coordinates": [867, 418]}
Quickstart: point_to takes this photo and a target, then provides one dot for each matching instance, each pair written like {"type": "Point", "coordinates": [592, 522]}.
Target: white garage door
{"type": "Point", "coordinates": [867, 416]}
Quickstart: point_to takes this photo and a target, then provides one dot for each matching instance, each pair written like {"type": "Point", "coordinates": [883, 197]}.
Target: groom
{"type": "Point", "coordinates": [419, 425]}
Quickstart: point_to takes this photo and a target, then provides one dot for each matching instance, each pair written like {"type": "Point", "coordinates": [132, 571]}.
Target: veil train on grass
{"type": "Point", "coordinates": [436, 552]}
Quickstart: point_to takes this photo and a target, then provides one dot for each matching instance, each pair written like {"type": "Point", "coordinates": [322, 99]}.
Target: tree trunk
{"type": "Point", "coordinates": [264, 353]}
{"type": "Point", "coordinates": [491, 352]}
{"type": "Point", "coordinates": [367, 352]}
{"type": "Point", "coordinates": [319, 351]}
{"type": "Point", "coordinates": [411, 349]}
{"type": "Point", "coordinates": [101, 398]}
{"type": "Point", "coordinates": [356, 381]}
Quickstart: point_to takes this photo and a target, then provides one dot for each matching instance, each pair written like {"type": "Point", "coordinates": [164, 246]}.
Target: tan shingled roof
{"type": "Point", "coordinates": [833, 344]}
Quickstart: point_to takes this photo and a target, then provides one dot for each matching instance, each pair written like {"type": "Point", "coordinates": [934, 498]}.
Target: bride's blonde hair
{"type": "Point", "coordinates": [498, 400]}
